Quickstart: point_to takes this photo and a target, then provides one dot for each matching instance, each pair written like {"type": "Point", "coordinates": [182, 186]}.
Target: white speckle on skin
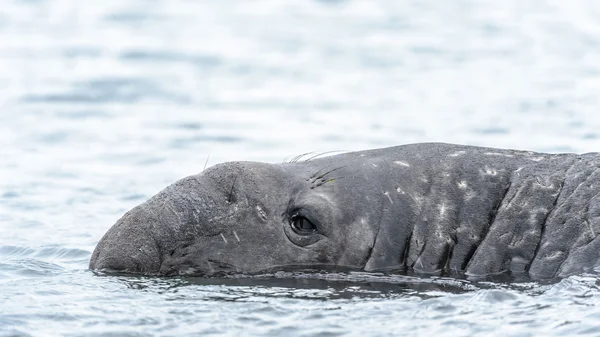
{"type": "Point", "coordinates": [402, 163]}
{"type": "Point", "coordinates": [462, 184]}
{"type": "Point", "coordinates": [537, 158]}
{"type": "Point", "coordinates": [223, 237]}
{"type": "Point", "coordinates": [544, 183]}
{"type": "Point", "coordinates": [388, 196]}
{"type": "Point", "coordinates": [418, 200]}
{"type": "Point", "coordinates": [518, 171]}
{"type": "Point", "coordinates": [399, 190]}
{"type": "Point", "coordinates": [374, 165]}
{"type": "Point", "coordinates": [261, 213]}
{"type": "Point", "coordinates": [490, 171]}
{"type": "Point", "coordinates": [554, 255]}
{"type": "Point", "coordinates": [443, 209]}
{"type": "Point", "coordinates": [236, 236]}
{"type": "Point", "coordinates": [217, 218]}
{"type": "Point", "coordinates": [591, 229]}
{"type": "Point", "coordinates": [191, 270]}
{"type": "Point", "coordinates": [457, 153]}
{"type": "Point", "coordinates": [469, 195]}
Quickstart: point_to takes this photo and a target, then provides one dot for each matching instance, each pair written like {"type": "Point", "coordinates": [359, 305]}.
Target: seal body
{"type": "Point", "coordinates": [426, 208]}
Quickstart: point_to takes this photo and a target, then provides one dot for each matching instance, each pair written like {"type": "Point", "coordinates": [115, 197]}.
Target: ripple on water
{"type": "Point", "coordinates": [205, 61]}
{"type": "Point", "coordinates": [43, 261]}
{"type": "Point", "coordinates": [83, 114]}
{"type": "Point", "coordinates": [115, 90]}
{"type": "Point", "coordinates": [60, 253]}
{"type": "Point", "coordinates": [31, 268]}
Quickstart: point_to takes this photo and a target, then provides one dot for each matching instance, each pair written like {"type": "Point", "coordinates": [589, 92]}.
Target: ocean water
{"type": "Point", "coordinates": [104, 103]}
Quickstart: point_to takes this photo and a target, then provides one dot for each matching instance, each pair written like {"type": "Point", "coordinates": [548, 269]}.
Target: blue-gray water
{"type": "Point", "coordinates": [104, 103]}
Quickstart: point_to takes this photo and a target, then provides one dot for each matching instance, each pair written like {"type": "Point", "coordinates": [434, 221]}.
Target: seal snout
{"type": "Point", "coordinates": [144, 259]}
{"type": "Point", "coordinates": [128, 247]}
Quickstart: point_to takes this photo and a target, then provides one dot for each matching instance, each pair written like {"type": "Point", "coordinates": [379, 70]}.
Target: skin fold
{"type": "Point", "coordinates": [430, 208]}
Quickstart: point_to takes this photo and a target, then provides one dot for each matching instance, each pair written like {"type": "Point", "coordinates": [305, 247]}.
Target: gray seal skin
{"type": "Point", "coordinates": [428, 208]}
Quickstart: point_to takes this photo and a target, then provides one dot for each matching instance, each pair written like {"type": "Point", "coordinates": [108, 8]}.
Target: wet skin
{"type": "Point", "coordinates": [427, 208]}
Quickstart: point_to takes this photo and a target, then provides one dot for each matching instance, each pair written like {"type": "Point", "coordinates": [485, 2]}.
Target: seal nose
{"type": "Point", "coordinates": [133, 258]}
{"type": "Point", "coordinates": [128, 247]}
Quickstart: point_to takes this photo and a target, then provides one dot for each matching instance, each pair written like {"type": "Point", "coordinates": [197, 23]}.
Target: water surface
{"type": "Point", "coordinates": [103, 104]}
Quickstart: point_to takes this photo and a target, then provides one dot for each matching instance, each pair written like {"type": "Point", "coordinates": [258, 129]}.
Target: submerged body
{"type": "Point", "coordinates": [428, 208]}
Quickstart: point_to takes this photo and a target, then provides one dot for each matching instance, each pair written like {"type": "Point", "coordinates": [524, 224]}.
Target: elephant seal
{"type": "Point", "coordinates": [431, 208]}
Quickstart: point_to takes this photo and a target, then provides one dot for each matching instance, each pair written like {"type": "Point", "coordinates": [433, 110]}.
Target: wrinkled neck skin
{"type": "Point", "coordinates": [424, 208]}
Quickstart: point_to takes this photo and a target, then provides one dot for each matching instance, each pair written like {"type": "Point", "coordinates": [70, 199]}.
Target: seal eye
{"type": "Point", "coordinates": [302, 226]}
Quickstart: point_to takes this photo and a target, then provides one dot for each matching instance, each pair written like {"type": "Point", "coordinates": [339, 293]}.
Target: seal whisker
{"type": "Point", "coordinates": [230, 196]}
{"type": "Point", "coordinates": [323, 182]}
{"type": "Point", "coordinates": [326, 173]}
{"type": "Point", "coordinates": [320, 170]}
{"type": "Point", "coordinates": [206, 162]}
{"type": "Point", "coordinates": [298, 157]}
{"type": "Point", "coordinates": [322, 154]}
